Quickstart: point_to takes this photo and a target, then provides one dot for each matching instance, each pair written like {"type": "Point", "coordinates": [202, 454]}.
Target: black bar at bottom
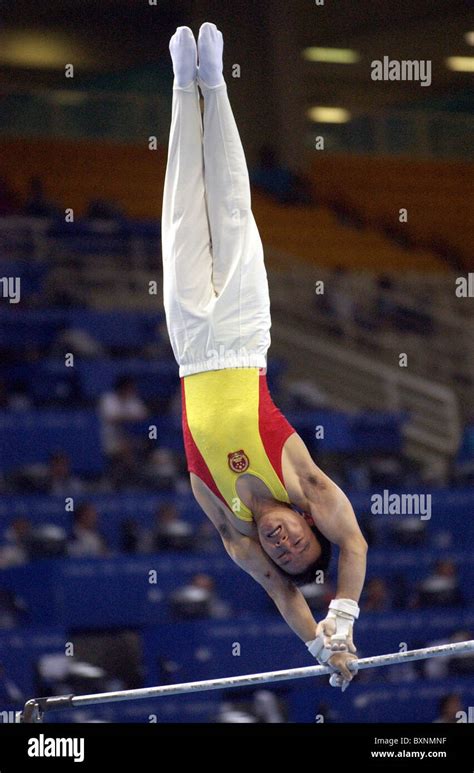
{"type": "Point", "coordinates": [389, 747]}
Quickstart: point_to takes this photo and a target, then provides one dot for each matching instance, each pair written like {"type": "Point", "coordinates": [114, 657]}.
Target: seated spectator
{"type": "Point", "coordinates": [59, 479]}
{"type": "Point", "coordinates": [279, 182]}
{"type": "Point", "coordinates": [199, 599]}
{"type": "Point", "coordinates": [37, 203]}
{"type": "Point", "coordinates": [52, 478]}
{"type": "Point", "coordinates": [130, 537]}
{"type": "Point", "coordinates": [409, 531]}
{"type": "Point", "coordinates": [376, 597]}
{"type": "Point", "coordinates": [440, 668]}
{"type": "Point", "coordinates": [118, 407]}
{"type": "Point", "coordinates": [16, 550]}
{"type": "Point", "coordinates": [265, 707]}
{"type": "Point", "coordinates": [47, 541]}
{"type": "Point", "coordinates": [386, 470]}
{"type": "Point", "coordinates": [461, 665]}
{"type": "Point", "coordinates": [440, 588]}
{"type": "Point", "coordinates": [87, 540]}
{"type": "Point", "coordinates": [81, 342]}
{"type": "Point", "coordinates": [162, 470]}
{"type": "Point", "coordinates": [125, 472]}
{"type": "Point", "coordinates": [170, 532]}
{"type": "Point", "coordinates": [449, 706]}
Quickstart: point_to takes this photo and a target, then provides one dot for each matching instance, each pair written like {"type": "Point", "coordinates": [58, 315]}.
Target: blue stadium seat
{"type": "Point", "coordinates": [119, 330]}
{"type": "Point", "coordinates": [31, 436]}
{"type": "Point", "coordinates": [154, 379]}
{"type": "Point", "coordinates": [31, 327]}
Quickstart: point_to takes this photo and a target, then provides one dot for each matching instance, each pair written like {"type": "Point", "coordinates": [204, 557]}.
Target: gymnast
{"type": "Point", "coordinates": [275, 510]}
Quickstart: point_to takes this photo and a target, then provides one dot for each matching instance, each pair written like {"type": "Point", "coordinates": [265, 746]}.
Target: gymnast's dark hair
{"type": "Point", "coordinates": [320, 565]}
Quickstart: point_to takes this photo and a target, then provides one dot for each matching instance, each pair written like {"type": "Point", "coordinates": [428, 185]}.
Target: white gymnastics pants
{"type": "Point", "coordinates": [214, 280]}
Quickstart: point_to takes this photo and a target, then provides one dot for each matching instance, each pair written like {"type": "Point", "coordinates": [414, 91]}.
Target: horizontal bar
{"type": "Point", "coordinates": [250, 680]}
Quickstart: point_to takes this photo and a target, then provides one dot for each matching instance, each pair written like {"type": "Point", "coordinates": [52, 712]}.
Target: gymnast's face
{"type": "Point", "coordinates": [287, 539]}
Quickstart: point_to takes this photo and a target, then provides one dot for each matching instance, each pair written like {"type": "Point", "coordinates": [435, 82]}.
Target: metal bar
{"type": "Point", "coordinates": [251, 680]}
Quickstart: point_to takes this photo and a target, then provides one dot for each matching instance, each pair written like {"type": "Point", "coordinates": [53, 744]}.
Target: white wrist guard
{"type": "Point", "coordinates": [343, 612]}
{"type": "Point", "coordinates": [345, 607]}
{"type": "Point", "coordinates": [318, 650]}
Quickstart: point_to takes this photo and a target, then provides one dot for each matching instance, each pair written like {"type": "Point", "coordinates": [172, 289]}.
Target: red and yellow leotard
{"type": "Point", "coordinates": [231, 426]}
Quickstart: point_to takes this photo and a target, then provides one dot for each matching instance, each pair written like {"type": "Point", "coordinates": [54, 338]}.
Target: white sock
{"type": "Point", "coordinates": [211, 47]}
{"type": "Point", "coordinates": [184, 55]}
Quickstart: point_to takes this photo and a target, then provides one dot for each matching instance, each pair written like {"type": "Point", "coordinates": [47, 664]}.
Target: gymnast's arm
{"type": "Point", "coordinates": [290, 602]}
{"type": "Point", "coordinates": [288, 599]}
{"type": "Point", "coordinates": [332, 513]}
{"type": "Point", "coordinates": [247, 553]}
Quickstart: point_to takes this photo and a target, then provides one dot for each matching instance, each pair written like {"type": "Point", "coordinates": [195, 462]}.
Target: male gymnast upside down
{"type": "Point", "coordinates": [275, 510]}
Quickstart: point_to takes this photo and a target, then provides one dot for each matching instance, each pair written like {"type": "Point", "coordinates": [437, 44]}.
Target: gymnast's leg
{"type": "Point", "coordinates": [187, 261]}
{"type": "Point", "coordinates": [241, 317]}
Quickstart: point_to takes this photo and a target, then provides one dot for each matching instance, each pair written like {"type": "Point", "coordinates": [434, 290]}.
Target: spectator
{"type": "Point", "coordinates": [129, 535]}
{"type": "Point", "coordinates": [37, 203]}
{"type": "Point", "coordinates": [16, 550]}
{"type": "Point", "coordinates": [81, 342]}
{"type": "Point", "coordinates": [267, 707]}
{"type": "Point", "coordinates": [409, 531]}
{"type": "Point", "coordinates": [439, 668]}
{"type": "Point", "coordinates": [14, 398]}
{"type": "Point", "coordinates": [234, 714]}
{"type": "Point", "coordinates": [376, 597]}
{"type": "Point", "coordinates": [199, 599]}
{"type": "Point", "coordinates": [161, 469]}
{"type": "Point", "coordinates": [125, 472]}
{"type": "Point", "coordinates": [441, 587]}
{"type": "Point", "coordinates": [170, 531]}
{"type": "Point", "coordinates": [59, 479]}
{"type": "Point", "coordinates": [87, 540]}
{"type": "Point", "coordinates": [449, 706]}
{"type": "Point", "coordinates": [118, 407]}
{"type": "Point", "coordinates": [461, 665]}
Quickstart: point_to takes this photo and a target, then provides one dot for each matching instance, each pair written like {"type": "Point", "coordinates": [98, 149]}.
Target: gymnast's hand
{"type": "Point", "coordinates": [338, 661]}
{"type": "Point", "coordinates": [333, 640]}
{"type": "Point", "coordinates": [343, 675]}
{"type": "Point", "coordinates": [336, 629]}
{"type": "Point", "coordinates": [333, 644]}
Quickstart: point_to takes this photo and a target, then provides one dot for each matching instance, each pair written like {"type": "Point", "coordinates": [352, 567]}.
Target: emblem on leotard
{"type": "Point", "coordinates": [238, 461]}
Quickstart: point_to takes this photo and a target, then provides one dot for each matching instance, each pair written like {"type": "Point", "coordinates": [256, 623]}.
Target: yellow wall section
{"type": "Point", "coordinates": [75, 171]}
{"type": "Point", "coordinates": [438, 195]}
{"type": "Point", "coordinates": [222, 413]}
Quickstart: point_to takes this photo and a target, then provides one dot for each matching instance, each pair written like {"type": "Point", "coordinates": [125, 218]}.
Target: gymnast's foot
{"type": "Point", "coordinates": [183, 52]}
{"type": "Point", "coordinates": [211, 47]}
